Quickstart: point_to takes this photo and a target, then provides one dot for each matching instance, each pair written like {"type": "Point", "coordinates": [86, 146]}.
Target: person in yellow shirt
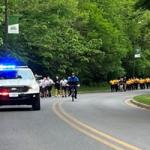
{"type": "Point", "coordinates": [147, 82]}
{"type": "Point", "coordinates": [142, 83]}
{"type": "Point", "coordinates": [129, 84]}
{"type": "Point", "coordinates": [136, 83]}
{"type": "Point", "coordinates": [114, 85]}
{"type": "Point", "coordinates": [111, 82]}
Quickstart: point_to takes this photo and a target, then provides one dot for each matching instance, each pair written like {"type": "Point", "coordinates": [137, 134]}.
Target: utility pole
{"type": "Point", "coordinates": [6, 26]}
{"type": "Point", "coordinates": [133, 74]}
{"type": "Point", "coordinates": [137, 54]}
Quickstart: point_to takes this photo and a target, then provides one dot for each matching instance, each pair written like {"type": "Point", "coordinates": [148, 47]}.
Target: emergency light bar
{"type": "Point", "coordinates": [7, 67]}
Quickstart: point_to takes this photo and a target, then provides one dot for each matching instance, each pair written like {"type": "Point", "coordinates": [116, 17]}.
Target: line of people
{"type": "Point", "coordinates": [124, 84]}
{"type": "Point", "coordinates": [62, 87]}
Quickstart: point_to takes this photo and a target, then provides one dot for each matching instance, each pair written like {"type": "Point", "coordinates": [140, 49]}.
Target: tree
{"type": "Point", "coordinates": [1, 22]}
{"type": "Point", "coordinates": [145, 4]}
{"type": "Point", "coordinates": [93, 38]}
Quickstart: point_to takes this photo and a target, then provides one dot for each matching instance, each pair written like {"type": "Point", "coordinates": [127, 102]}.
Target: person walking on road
{"type": "Point", "coordinates": [57, 86]}
{"type": "Point", "coordinates": [63, 84]}
{"type": "Point", "coordinates": [50, 83]}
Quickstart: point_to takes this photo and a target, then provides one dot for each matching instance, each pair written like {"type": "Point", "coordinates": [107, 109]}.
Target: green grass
{"type": "Point", "coordinates": [95, 88]}
{"type": "Point", "coordinates": [145, 99]}
{"type": "Point", "coordinates": [102, 87]}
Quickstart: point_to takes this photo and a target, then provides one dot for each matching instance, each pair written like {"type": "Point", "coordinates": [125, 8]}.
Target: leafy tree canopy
{"type": "Point", "coordinates": [96, 39]}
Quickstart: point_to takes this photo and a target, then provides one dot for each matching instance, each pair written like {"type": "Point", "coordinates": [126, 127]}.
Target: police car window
{"type": "Point", "coordinates": [16, 74]}
{"type": "Point", "coordinates": [25, 74]}
{"type": "Point", "coordinates": [8, 74]}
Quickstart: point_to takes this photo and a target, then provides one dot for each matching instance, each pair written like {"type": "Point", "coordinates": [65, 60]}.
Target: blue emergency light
{"type": "Point", "coordinates": [7, 67]}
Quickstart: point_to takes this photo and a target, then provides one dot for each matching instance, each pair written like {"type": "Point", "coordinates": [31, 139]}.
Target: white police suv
{"type": "Point", "coordinates": [18, 86]}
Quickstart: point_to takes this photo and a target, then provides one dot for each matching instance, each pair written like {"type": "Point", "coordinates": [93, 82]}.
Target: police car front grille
{"type": "Point", "coordinates": [18, 89]}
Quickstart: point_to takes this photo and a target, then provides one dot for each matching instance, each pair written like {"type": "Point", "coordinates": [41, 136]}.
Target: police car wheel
{"type": "Point", "coordinates": [36, 104]}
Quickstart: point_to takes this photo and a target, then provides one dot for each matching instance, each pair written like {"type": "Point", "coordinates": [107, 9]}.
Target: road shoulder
{"type": "Point", "coordinates": [140, 104]}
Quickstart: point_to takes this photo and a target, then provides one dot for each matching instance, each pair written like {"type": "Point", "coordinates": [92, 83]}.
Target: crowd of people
{"type": "Point", "coordinates": [62, 87]}
{"type": "Point", "coordinates": [124, 84]}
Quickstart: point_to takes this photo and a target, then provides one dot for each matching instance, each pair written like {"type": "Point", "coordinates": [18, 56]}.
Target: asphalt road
{"type": "Point", "coordinates": [101, 121]}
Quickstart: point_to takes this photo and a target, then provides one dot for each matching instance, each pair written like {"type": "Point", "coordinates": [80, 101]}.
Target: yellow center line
{"type": "Point", "coordinates": [84, 131]}
{"type": "Point", "coordinates": [93, 133]}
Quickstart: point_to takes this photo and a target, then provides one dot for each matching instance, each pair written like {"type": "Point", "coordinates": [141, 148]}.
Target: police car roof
{"type": "Point", "coordinates": [11, 67]}
{"type": "Point", "coordinates": [22, 67]}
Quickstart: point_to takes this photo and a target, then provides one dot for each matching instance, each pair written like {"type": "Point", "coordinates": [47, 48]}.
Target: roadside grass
{"type": "Point", "coordinates": [145, 99]}
{"type": "Point", "coordinates": [102, 87]}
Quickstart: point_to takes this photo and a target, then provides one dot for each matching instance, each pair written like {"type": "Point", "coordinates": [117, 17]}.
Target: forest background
{"type": "Point", "coordinates": [96, 39]}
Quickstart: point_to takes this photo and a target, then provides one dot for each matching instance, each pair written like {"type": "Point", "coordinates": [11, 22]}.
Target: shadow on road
{"type": "Point", "coordinates": [7, 109]}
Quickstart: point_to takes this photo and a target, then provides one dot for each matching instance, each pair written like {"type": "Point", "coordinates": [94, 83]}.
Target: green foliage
{"type": "Point", "coordinates": [94, 38]}
{"type": "Point", "coordinates": [1, 20]}
{"type": "Point", "coordinates": [145, 4]}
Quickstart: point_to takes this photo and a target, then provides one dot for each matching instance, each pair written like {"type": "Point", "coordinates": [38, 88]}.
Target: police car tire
{"type": "Point", "coordinates": [36, 104]}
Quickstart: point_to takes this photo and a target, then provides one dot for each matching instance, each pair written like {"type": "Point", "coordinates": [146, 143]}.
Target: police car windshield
{"type": "Point", "coordinates": [16, 74]}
